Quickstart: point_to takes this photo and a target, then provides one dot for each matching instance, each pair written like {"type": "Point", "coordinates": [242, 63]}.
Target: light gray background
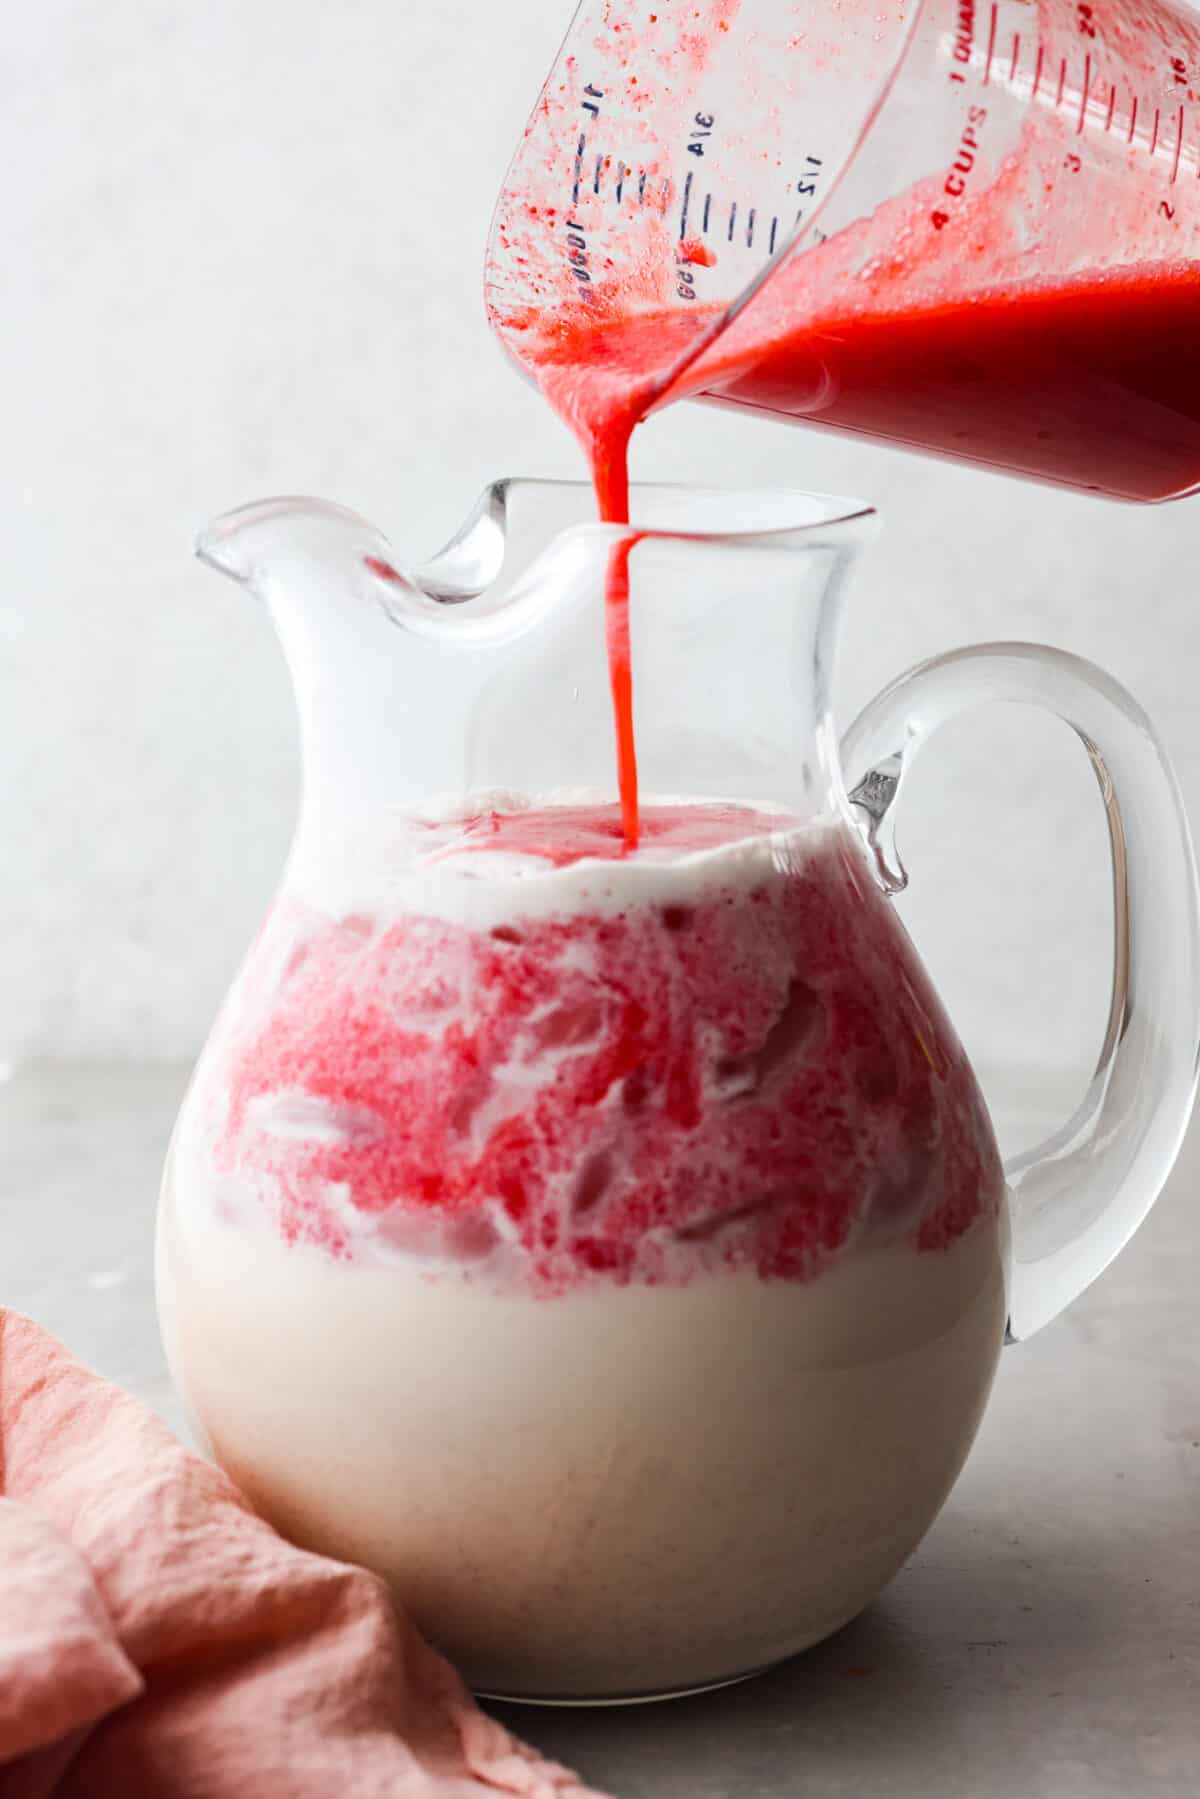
{"type": "Point", "coordinates": [242, 256]}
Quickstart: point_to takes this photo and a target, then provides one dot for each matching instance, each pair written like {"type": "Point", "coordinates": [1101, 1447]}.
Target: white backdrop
{"type": "Point", "coordinates": [243, 243]}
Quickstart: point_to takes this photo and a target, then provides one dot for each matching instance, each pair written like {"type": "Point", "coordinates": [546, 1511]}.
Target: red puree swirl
{"type": "Point", "coordinates": [756, 1079]}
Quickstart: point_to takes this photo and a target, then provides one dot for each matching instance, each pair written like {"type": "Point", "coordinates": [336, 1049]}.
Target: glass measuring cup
{"type": "Point", "coordinates": [968, 226]}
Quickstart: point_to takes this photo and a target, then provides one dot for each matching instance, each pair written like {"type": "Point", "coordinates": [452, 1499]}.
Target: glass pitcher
{"type": "Point", "coordinates": [612, 1249]}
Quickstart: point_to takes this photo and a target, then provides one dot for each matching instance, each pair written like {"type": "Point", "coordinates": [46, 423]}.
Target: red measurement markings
{"type": "Point", "coordinates": [1132, 117]}
{"type": "Point", "coordinates": [1062, 82]}
{"type": "Point", "coordinates": [1112, 106]}
{"type": "Point", "coordinates": [991, 49]}
{"type": "Point", "coordinates": [1083, 96]}
{"type": "Point", "coordinates": [1016, 56]}
{"type": "Point", "coordinates": [1037, 73]}
{"type": "Point", "coordinates": [1178, 149]}
{"type": "Point", "coordinates": [1154, 133]}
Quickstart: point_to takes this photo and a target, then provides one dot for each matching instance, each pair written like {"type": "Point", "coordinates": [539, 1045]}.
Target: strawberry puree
{"type": "Point", "coordinates": [566, 834]}
{"type": "Point", "coordinates": [759, 1078]}
{"type": "Point", "coordinates": [1091, 384]}
{"type": "Point", "coordinates": [1030, 306]}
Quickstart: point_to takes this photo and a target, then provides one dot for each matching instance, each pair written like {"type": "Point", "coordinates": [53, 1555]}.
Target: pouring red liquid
{"type": "Point", "coordinates": [967, 230]}
{"type": "Point", "coordinates": [1092, 384]}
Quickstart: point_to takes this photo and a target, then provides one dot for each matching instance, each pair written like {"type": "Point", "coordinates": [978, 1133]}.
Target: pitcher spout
{"type": "Point", "coordinates": [258, 545]}
{"type": "Point", "coordinates": [397, 667]}
{"type": "Point", "coordinates": [278, 548]}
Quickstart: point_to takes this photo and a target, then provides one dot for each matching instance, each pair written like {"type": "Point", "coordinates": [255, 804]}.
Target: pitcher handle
{"type": "Point", "coordinates": [1080, 1195]}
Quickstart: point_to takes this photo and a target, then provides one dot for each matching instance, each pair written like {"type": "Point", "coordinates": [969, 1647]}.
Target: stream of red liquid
{"type": "Point", "coordinates": [608, 451]}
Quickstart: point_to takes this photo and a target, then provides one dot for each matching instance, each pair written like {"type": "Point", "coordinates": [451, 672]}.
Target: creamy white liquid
{"type": "Point", "coordinates": [618, 1491]}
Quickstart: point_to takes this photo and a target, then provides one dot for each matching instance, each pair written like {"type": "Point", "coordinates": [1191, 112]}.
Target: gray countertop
{"type": "Point", "coordinates": [1045, 1641]}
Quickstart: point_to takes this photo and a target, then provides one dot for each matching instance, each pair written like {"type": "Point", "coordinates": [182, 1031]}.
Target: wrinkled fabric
{"type": "Point", "coordinates": [158, 1639]}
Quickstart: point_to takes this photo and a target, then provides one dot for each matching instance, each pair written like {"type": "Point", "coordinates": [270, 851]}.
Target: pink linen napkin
{"type": "Point", "coordinates": [160, 1641]}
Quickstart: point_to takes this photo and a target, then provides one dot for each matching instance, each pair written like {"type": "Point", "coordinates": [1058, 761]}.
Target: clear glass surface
{"type": "Point", "coordinates": [611, 1247]}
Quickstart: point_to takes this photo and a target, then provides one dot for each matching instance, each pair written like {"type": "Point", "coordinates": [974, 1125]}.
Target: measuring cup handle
{"type": "Point", "coordinates": [1079, 1196]}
